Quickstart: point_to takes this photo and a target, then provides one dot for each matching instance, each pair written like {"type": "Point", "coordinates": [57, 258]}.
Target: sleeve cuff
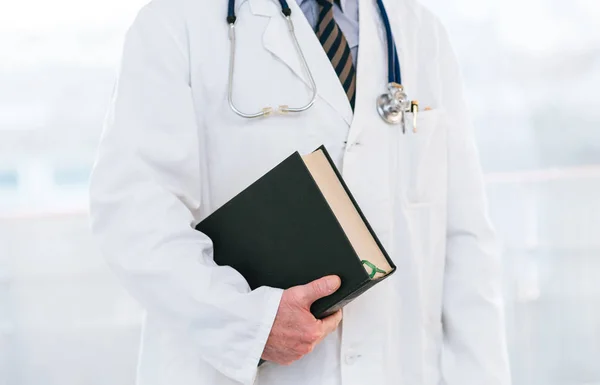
{"type": "Point", "coordinates": [247, 372]}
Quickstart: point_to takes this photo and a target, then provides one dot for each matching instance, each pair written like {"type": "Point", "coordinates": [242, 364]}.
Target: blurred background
{"type": "Point", "coordinates": [532, 72]}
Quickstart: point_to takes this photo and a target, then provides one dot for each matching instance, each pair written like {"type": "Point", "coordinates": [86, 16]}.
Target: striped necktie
{"type": "Point", "coordinates": [335, 45]}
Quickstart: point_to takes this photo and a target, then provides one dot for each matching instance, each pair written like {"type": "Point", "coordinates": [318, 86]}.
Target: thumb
{"type": "Point", "coordinates": [319, 288]}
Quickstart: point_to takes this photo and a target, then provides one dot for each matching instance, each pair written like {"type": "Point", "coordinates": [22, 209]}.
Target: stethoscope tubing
{"type": "Point", "coordinates": [394, 73]}
{"type": "Point", "coordinates": [266, 111]}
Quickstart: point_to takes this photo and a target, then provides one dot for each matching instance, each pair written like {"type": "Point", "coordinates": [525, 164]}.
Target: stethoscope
{"type": "Point", "coordinates": [392, 105]}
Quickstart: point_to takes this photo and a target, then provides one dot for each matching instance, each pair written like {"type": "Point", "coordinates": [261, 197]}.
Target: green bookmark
{"type": "Point", "coordinates": [374, 269]}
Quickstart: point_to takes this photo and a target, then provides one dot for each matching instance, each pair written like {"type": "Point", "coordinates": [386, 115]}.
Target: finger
{"type": "Point", "coordinates": [331, 322]}
{"type": "Point", "coordinates": [319, 288]}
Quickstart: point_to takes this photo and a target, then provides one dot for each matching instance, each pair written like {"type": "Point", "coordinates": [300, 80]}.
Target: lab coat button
{"type": "Point", "coordinates": [351, 146]}
{"type": "Point", "coordinates": [350, 358]}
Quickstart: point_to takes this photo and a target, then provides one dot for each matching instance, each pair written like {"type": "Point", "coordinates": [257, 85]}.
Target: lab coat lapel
{"type": "Point", "coordinates": [279, 42]}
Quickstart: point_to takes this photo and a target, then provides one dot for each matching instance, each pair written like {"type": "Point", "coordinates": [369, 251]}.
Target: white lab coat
{"type": "Point", "coordinates": [173, 151]}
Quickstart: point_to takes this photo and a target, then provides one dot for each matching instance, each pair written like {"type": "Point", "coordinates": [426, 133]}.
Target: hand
{"type": "Point", "coordinates": [296, 331]}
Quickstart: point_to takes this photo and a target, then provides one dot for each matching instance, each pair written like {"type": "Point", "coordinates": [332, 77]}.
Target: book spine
{"type": "Point", "coordinates": [362, 215]}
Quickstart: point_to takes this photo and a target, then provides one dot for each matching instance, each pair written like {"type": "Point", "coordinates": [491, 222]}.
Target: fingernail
{"type": "Point", "coordinates": [333, 283]}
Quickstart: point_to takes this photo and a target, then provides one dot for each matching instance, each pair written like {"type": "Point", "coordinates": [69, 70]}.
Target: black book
{"type": "Point", "coordinates": [297, 223]}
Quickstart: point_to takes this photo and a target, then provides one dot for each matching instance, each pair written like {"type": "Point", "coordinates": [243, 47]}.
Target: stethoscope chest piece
{"type": "Point", "coordinates": [393, 104]}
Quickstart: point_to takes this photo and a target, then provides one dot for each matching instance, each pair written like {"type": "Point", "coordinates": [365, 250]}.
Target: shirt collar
{"type": "Point", "coordinates": [342, 3]}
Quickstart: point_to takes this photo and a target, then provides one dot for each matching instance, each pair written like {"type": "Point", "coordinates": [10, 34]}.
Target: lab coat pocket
{"type": "Point", "coordinates": [422, 157]}
{"type": "Point", "coordinates": [426, 224]}
{"type": "Point", "coordinates": [426, 230]}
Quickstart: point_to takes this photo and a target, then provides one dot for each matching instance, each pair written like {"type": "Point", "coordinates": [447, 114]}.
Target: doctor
{"type": "Point", "coordinates": [180, 140]}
